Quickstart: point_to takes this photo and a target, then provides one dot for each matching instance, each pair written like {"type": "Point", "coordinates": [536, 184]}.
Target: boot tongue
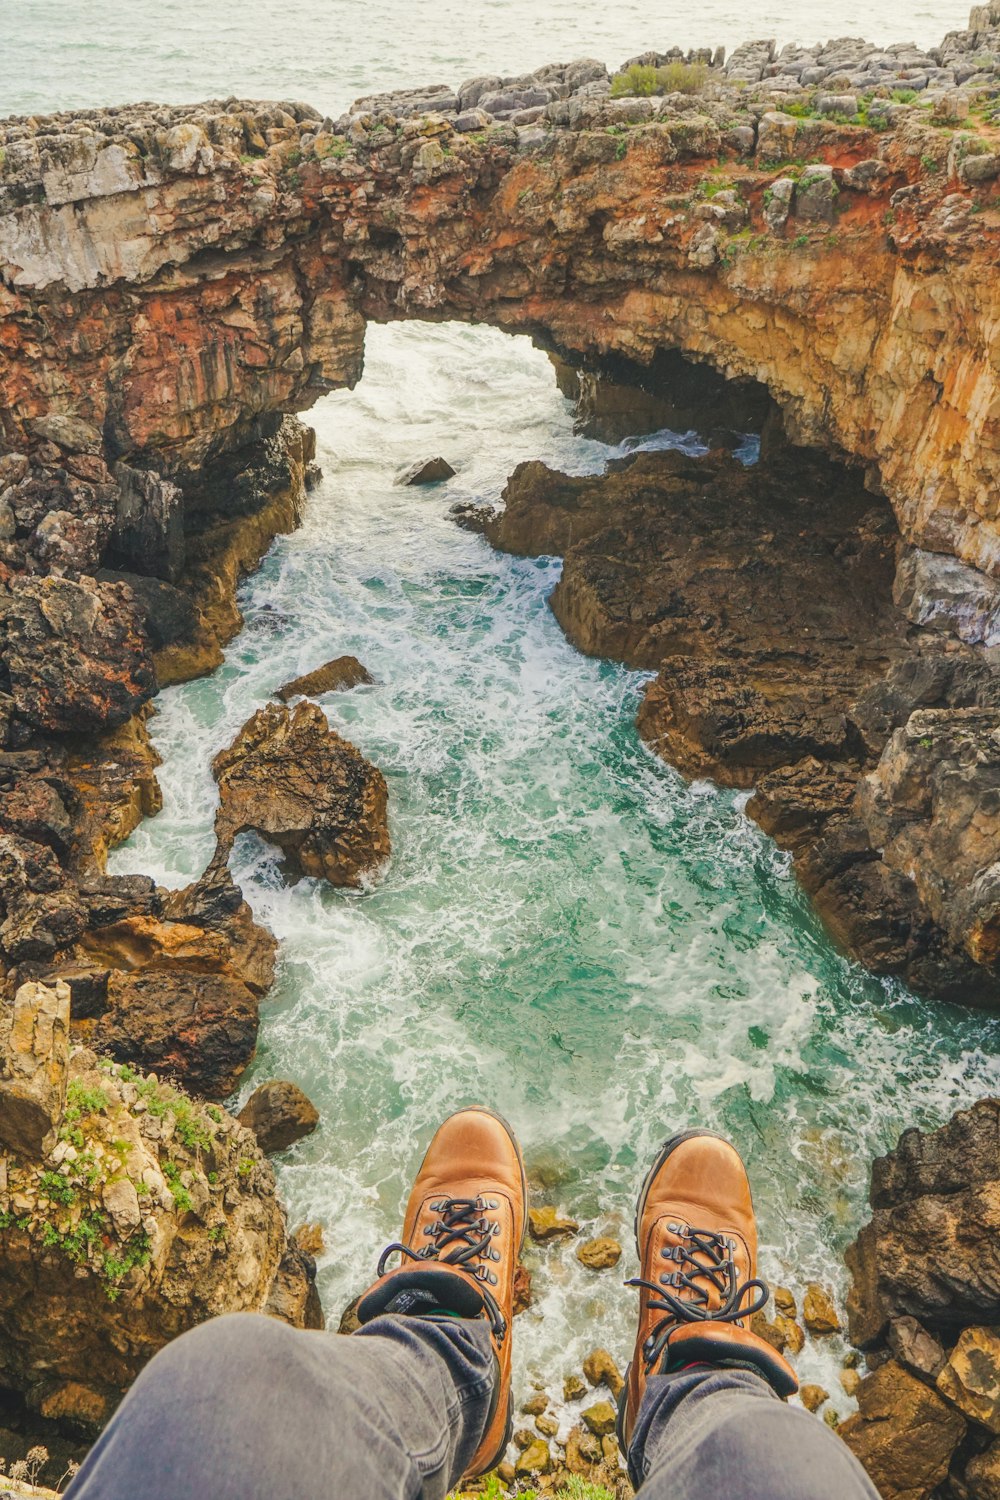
{"type": "Point", "coordinates": [421, 1289]}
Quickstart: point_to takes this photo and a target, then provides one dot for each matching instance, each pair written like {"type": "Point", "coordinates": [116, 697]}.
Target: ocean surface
{"type": "Point", "coordinates": [567, 930]}
{"type": "Point", "coordinates": [62, 54]}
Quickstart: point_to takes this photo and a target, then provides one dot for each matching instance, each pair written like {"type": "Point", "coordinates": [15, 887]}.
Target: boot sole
{"type": "Point", "coordinates": [666, 1151]}
{"type": "Point", "coordinates": [494, 1114]}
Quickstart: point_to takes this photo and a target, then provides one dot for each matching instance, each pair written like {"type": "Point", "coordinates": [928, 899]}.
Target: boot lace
{"type": "Point", "coordinates": [463, 1233]}
{"type": "Point", "coordinates": [705, 1269]}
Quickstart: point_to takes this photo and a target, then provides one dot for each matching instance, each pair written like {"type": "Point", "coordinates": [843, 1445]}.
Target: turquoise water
{"type": "Point", "coordinates": [566, 930]}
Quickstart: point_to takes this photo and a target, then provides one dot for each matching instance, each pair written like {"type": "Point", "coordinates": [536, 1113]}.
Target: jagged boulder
{"type": "Point", "coordinates": [903, 1433]}
{"type": "Point", "coordinates": [34, 1041]}
{"type": "Point", "coordinates": [76, 653]}
{"type": "Point", "coordinates": [334, 676]}
{"type": "Point", "coordinates": [294, 780]}
{"type": "Point", "coordinates": [936, 1214]}
{"type": "Point", "coordinates": [279, 1114]}
{"type": "Point", "coordinates": [141, 1215]}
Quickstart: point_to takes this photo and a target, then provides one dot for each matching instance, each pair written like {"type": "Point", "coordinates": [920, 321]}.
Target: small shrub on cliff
{"type": "Point", "coordinates": [641, 81]}
{"type": "Point", "coordinates": [637, 81]}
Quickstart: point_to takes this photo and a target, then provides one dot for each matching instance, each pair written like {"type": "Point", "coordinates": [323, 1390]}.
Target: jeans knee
{"type": "Point", "coordinates": [211, 1352]}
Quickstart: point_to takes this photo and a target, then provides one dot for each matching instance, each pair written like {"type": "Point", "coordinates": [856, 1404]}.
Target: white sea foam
{"type": "Point", "coordinates": [566, 929]}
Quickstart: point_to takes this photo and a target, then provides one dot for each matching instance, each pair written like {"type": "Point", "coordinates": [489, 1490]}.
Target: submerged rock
{"type": "Point", "coordinates": [296, 782]}
{"type": "Point", "coordinates": [341, 673]}
{"type": "Point", "coordinates": [546, 1223]}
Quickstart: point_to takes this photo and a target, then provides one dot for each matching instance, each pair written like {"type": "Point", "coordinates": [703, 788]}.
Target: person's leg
{"type": "Point", "coordinates": [701, 1405]}
{"type": "Point", "coordinates": [245, 1406]}
{"type": "Point", "coordinates": [719, 1431]}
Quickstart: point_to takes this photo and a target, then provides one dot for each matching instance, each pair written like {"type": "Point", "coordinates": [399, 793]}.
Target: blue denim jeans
{"type": "Point", "coordinates": [246, 1408]}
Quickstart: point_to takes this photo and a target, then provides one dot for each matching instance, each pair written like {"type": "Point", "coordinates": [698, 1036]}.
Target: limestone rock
{"type": "Point", "coordinates": [935, 1199]}
{"type": "Point", "coordinates": [426, 470]}
{"type": "Point", "coordinates": [600, 1418]}
{"type": "Point", "coordinates": [813, 1396]}
{"type": "Point", "coordinates": [343, 672]}
{"type": "Point", "coordinates": [294, 1296]}
{"type": "Point", "coordinates": [600, 1369]}
{"type": "Point", "coordinates": [279, 1114]}
{"type": "Point", "coordinates": [77, 658]}
{"type": "Point", "coordinates": [200, 1029]}
{"type": "Point", "coordinates": [915, 1348]}
{"type": "Point", "coordinates": [970, 1379]}
{"type": "Point", "coordinates": [599, 1254]}
{"type": "Point", "coordinates": [34, 1056]}
{"type": "Point", "coordinates": [81, 1314]}
{"type": "Point", "coordinates": [933, 589]}
{"type": "Point", "coordinates": [547, 1223]}
{"type": "Point", "coordinates": [535, 1459]}
{"type": "Point", "coordinates": [818, 1312]}
{"type": "Point", "coordinates": [982, 1474]}
{"type": "Point", "coordinates": [291, 778]}
{"type": "Point", "coordinates": [903, 1434]}
{"type": "Point", "coordinates": [583, 1450]}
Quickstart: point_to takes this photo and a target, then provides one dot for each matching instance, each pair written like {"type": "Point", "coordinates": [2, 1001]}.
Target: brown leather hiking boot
{"type": "Point", "coordinates": [461, 1241]}
{"type": "Point", "coordinates": [697, 1241]}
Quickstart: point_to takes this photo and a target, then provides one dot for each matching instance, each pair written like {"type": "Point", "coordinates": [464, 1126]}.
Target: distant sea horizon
{"type": "Point", "coordinates": [73, 54]}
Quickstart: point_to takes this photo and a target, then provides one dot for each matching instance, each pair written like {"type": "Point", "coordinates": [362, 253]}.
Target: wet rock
{"type": "Point", "coordinates": [535, 1405]}
{"type": "Point", "coordinates": [600, 1418]}
{"type": "Point", "coordinates": [818, 1312]}
{"type": "Point", "coordinates": [77, 657]}
{"type": "Point", "coordinates": [784, 1302]}
{"type": "Point", "coordinates": [850, 1381]}
{"type": "Point", "coordinates": [782, 1333]}
{"type": "Point", "coordinates": [547, 1223]}
{"type": "Point", "coordinates": [292, 779]}
{"type": "Point", "coordinates": [903, 1434]}
{"type": "Point", "coordinates": [535, 1459]}
{"type": "Point", "coordinates": [813, 1396]}
{"type": "Point", "coordinates": [936, 1195]}
{"type": "Point", "coordinates": [34, 1045]}
{"type": "Point", "coordinates": [915, 1348]}
{"type": "Point", "coordinates": [574, 1388]}
{"type": "Point", "coordinates": [599, 1254]}
{"type": "Point", "coordinates": [600, 1369]}
{"type": "Point", "coordinates": [522, 1288]}
{"type": "Point", "coordinates": [548, 1426]}
{"type": "Point", "coordinates": [343, 672]}
{"type": "Point", "coordinates": [970, 1378]}
{"type": "Point", "coordinates": [426, 470]}
{"type": "Point", "coordinates": [279, 1114]}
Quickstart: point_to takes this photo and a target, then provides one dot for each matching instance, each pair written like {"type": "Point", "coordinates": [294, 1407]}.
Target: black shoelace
{"type": "Point", "coordinates": [705, 1266]}
{"type": "Point", "coordinates": [463, 1233]}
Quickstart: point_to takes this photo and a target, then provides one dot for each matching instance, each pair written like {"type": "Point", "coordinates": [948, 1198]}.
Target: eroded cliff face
{"type": "Point", "coordinates": [170, 279]}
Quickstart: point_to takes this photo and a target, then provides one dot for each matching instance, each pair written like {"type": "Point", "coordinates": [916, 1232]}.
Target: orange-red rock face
{"type": "Point", "coordinates": [173, 294]}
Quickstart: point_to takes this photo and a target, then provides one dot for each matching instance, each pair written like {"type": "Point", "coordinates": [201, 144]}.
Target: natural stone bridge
{"type": "Point", "coordinates": [171, 278]}
{"type": "Point", "coordinates": [175, 283]}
